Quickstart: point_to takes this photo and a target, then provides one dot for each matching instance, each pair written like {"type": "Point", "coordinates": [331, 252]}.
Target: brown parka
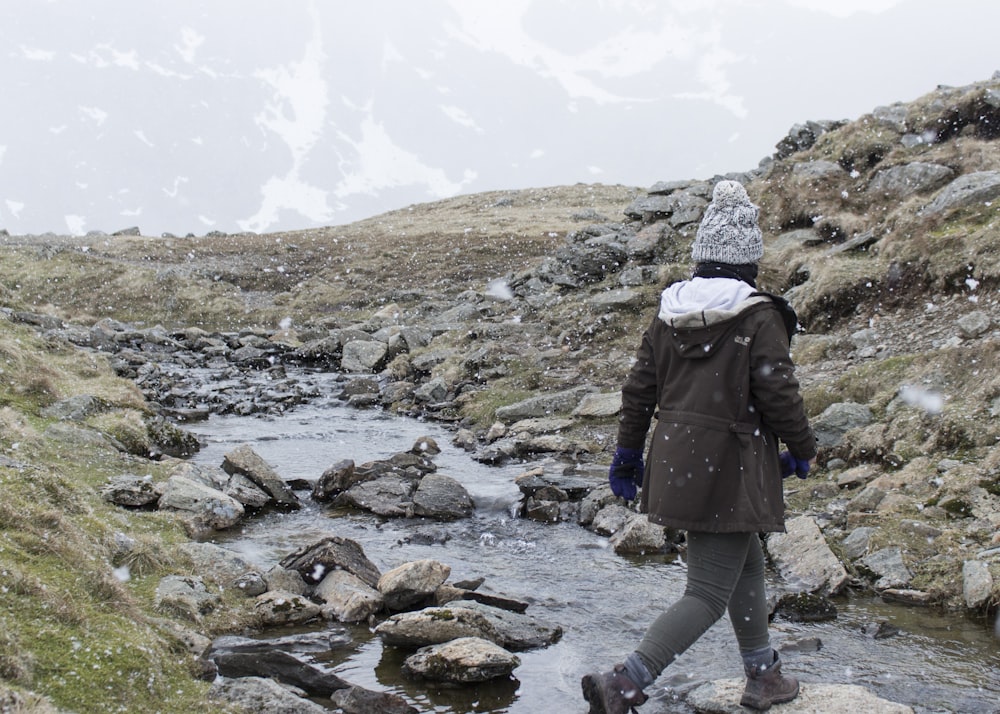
{"type": "Point", "coordinates": [722, 388]}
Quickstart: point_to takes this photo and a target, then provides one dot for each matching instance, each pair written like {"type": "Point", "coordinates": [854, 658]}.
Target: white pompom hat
{"type": "Point", "coordinates": [729, 232]}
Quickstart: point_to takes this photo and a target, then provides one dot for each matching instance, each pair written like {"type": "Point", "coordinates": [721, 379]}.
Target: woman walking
{"type": "Point", "coordinates": [713, 369]}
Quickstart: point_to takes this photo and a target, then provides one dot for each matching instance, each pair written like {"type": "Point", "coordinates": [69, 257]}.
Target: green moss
{"type": "Point", "coordinates": [481, 408]}
{"type": "Point", "coordinates": [70, 629]}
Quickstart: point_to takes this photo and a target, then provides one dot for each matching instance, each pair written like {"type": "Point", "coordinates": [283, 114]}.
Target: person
{"type": "Point", "coordinates": [714, 370]}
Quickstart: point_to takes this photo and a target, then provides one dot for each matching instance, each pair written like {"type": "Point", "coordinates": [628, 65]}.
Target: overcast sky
{"type": "Point", "coordinates": [232, 115]}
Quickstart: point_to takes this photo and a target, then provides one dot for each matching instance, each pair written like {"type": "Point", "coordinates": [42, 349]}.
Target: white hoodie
{"type": "Point", "coordinates": [719, 297]}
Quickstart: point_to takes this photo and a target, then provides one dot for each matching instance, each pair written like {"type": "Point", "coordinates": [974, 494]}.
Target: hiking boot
{"type": "Point", "coordinates": [767, 686]}
{"type": "Point", "coordinates": [611, 692]}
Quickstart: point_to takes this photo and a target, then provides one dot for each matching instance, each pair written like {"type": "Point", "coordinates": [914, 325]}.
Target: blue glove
{"type": "Point", "coordinates": [626, 472]}
{"type": "Point", "coordinates": [791, 465]}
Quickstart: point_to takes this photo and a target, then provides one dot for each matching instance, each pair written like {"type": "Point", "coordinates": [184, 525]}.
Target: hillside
{"type": "Point", "coordinates": [882, 231]}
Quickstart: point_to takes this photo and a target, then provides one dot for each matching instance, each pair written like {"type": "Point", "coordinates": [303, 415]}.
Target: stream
{"type": "Point", "coordinates": [571, 578]}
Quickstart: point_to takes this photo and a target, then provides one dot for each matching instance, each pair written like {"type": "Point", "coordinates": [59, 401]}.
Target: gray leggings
{"type": "Point", "coordinates": [725, 570]}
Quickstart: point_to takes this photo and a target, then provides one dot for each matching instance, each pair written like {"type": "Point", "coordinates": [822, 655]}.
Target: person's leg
{"type": "Point", "coordinates": [715, 564]}
{"type": "Point", "coordinates": [748, 607]}
{"type": "Point", "coordinates": [766, 685]}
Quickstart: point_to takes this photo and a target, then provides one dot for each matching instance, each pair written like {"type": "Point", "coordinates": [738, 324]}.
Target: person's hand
{"type": "Point", "coordinates": [626, 472]}
{"type": "Point", "coordinates": [791, 465]}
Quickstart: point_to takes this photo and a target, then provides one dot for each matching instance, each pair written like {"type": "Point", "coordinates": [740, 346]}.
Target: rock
{"type": "Point", "coordinates": [838, 419]}
{"type": "Point", "coordinates": [431, 392]}
{"type": "Point", "coordinates": [970, 189]}
{"type": "Point", "coordinates": [303, 642]}
{"type": "Point", "coordinates": [282, 608]}
{"type": "Point", "coordinates": [215, 563]}
{"type": "Point", "coordinates": [867, 500]}
{"type": "Point", "coordinates": [336, 479]}
{"type": "Point", "coordinates": [611, 519]}
{"type": "Point", "coordinates": [542, 405]}
{"type": "Point", "coordinates": [804, 559]}
{"type": "Point", "coordinates": [909, 179]}
{"type": "Point", "coordinates": [974, 324]}
{"type": "Point", "coordinates": [818, 170]}
{"type": "Point", "coordinates": [389, 496]}
{"type": "Point", "coordinates": [278, 578]}
{"type": "Point", "coordinates": [259, 695]}
{"type": "Point", "coordinates": [977, 584]}
{"type": "Point", "coordinates": [435, 625]}
{"type": "Point", "coordinates": [575, 487]}
{"type": "Point", "coordinates": [250, 584]}
{"type": "Point", "coordinates": [131, 491]}
{"type": "Point", "coordinates": [356, 700]}
{"type": "Point", "coordinates": [723, 696]}
{"type": "Point", "coordinates": [442, 498]}
{"type": "Point", "coordinates": [599, 406]}
{"type": "Point", "coordinates": [314, 561]}
{"type": "Point", "coordinates": [364, 356]}
{"type": "Point", "coordinates": [184, 596]}
{"type": "Point", "coordinates": [463, 660]}
{"type": "Point", "coordinates": [880, 630]}
{"type": "Point", "coordinates": [246, 492]}
{"type": "Point", "coordinates": [855, 545]}
{"type": "Point", "coordinates": [280, 659]}
{"type": "Point", "coordinates": [887, 565]}
{"type": "Point", "coordinates": [638, 537]}
{"type": "Point", "coordinates": [76, 408]}
{"type": "Point", "coordinates": [806, 607]}
{"type": "Point", "coordinates": [208, 505]}
{"type": "Point", "coordinates": [348, 598]}
{"type": "Point", "coordinates": [425, 446]}
{"type": "Point", "coordinates": [244, 460]}
{"type": "Point", "coordinates": [450, 593]}
{"type": "Point", "coordinates": [535, 426]}
{"type": "Point", "coordinates": [610, 300]}
{"type": "Point", "coordinates": [802, 136]}
{"type": "Point", "coordinates": [412, 583]}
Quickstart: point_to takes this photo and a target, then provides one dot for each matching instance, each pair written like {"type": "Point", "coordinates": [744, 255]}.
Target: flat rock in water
{"type": "Point", "coordinates": [356, 700]}
{"type": "Point", "coordinates": [285, 667]}
{"type": "Point", "coordinates": [723, 697]}
{"type": "Point", "coordinates": [463, 661]}
{"type": "Point", "coordinates": [388, 496]}
{"type": "Point", "coordinates": [435, 625]}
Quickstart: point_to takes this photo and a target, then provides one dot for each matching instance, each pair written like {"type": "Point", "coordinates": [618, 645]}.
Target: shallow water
{"type": "Point", "coordinates": [570, 577]}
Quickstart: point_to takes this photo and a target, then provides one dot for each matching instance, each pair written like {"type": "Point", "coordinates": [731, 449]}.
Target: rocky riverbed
{"type": "Point", "coordinates": [513, 326]}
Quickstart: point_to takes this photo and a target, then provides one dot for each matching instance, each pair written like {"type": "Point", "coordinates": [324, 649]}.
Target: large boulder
{"type": "Point", "coordinates": [207, 505]}
{"type": "Point", "coordinates": [412, 583]}
{"type": "Point", "coordinates": [244, 460]}
{"type": "Point", "coordinates": [347, 597]}
{"type": "Point", "coordinates": [803, 557]}
{"type": "Point", "coordinates": [313, 562]}
{"type": "Point", "coordinates": [441, 497]}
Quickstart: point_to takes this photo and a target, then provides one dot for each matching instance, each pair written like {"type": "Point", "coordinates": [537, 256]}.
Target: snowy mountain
{"type": "Point", "coordinates": [258, 116]}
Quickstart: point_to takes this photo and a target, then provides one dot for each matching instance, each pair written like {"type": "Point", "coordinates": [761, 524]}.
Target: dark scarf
{"type": "Point", "coordinates": [746, 273]}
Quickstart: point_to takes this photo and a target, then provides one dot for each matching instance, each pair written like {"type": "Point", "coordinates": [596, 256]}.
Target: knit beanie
{"type": "Point", "coordinates": [729, 232]}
